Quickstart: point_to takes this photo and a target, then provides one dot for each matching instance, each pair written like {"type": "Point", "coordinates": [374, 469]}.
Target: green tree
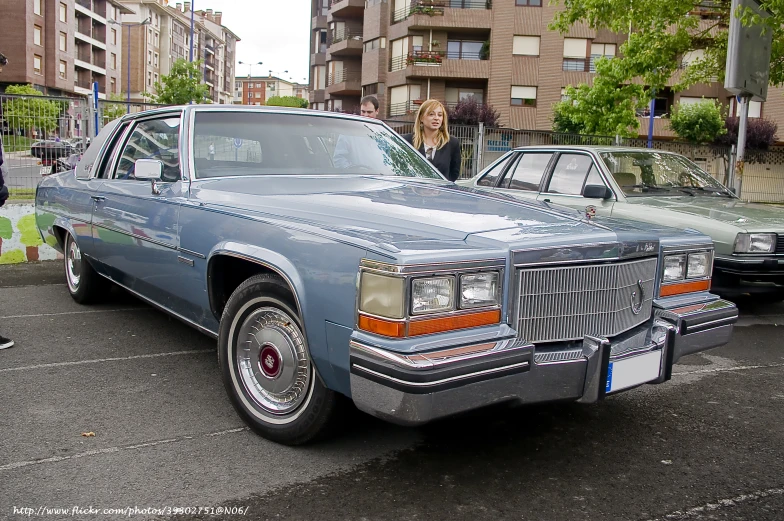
{"type": "Point", "coordinates": [182, 85]}
{"type": "Point", "coordinates": [32, 111]}
{"type": "Point", "coordinates": [287, 101]}
{"type": "Point", "coordinates": [112, 111]}
{"type": "Point", "coordinates": [662, 32]}
{"type": "Point", "coordinates": [607, 108]}
{"type": "Point", "coordinates": [701, 122]}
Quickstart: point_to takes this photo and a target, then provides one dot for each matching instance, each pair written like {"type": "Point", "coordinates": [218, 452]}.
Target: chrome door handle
{"type": "Point", "coordinates": [98, 198]}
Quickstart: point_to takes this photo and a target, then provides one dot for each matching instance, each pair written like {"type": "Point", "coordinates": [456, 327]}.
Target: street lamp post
{"type": "Point", "coordinates": [250, 66]}
{"type": "Point", "coordinates": [146, 21]}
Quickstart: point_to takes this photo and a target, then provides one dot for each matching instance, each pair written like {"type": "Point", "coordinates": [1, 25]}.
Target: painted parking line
{"type": "Point", "coordinates": [113, 450]}
{"type": "Point", "coordinates": [681, 515]}
{"type": "Point", "coordinates": [86, 312]}
{"type": "Point", "coordinates": [103, 360]}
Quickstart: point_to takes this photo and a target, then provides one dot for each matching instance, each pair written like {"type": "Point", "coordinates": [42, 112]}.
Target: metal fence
{"type": "Point", "coordinates": [39, 130]}
{"type": "Point", "coordinates": [470, 144]}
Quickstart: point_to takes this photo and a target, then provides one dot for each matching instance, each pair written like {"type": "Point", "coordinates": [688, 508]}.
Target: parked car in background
{"type": "Point", "coordinates": [656, 187]}
{"type": "Point", "coordinates": [50, 149]}
{"type": "Point", "coordinates": [359, 271]}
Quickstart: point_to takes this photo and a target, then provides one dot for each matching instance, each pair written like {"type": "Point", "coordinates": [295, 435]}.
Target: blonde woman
{"type": "Point", "coordinates": [431, 138]}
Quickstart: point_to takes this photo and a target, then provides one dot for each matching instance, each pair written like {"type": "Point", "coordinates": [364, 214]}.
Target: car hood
{"type": "Point", "coordinates": [748, 216]}
{"type": "Point", "coordinates": [392, 211]}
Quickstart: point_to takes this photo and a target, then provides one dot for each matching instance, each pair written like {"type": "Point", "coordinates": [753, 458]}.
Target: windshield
{"type": "Point", "coordinates": [238, 143]}
{"type": "Point", "coordinates": [654, 173]}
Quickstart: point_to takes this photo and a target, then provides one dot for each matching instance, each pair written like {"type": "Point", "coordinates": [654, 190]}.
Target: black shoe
{"type": "Point", "coordinates": [5, 342]}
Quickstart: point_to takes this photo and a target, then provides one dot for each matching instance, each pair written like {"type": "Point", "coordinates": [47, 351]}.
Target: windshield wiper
{"type": "Point", "coordinates": [649, 187]}
{"type": "Point", "coordinates": [709, 189]}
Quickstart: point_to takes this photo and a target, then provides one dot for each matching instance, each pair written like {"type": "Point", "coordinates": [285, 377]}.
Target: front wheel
{"type": "Point", "coordinates": [266, 366]}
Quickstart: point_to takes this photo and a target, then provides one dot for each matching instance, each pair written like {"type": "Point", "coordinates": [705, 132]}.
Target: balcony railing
{"type": "Point", "coordinates": [576, 64]}
{"type": "Point", "coordinates": [401, 109]}
{"type": "Point", "coordinates": [339, 35]}
{"type": "Point", "coordinates": [344, 75]}
{"type": "Point", "coordinates": [432, 58]}
{"type": "Point", "coordinates": [436, 7]}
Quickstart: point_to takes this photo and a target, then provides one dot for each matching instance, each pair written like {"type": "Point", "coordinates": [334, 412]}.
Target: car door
{"type": "Point", "coordinates": [524, 177]}
{"type": "Point", "coordinates": [136, 220]}
{"type": "Point", "coordinates": [571, 173]}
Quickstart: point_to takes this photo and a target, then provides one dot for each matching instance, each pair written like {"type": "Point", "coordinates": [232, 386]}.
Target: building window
{"type": "Point", "coordinates": [155, 77]}
{"type": "Point", "coordinates": [63, 66]}
{"type": "Point", "coordinates": [149, 57]}
{"type": "Point", "coordinates": [526, 45]}
{"type": "Point", "coordinates": [155, 59]}
{"type": "Point", "coordinates": [114, 36]}
{"type": "Point", "coordinates": [63, 42]}
{"type": "Point", "coordinates": [258, 95]}
{"type": "Point", "coordinates": [36, 35]}
{"type": "Point", "coordinates": [63, 13]}
{"type": "Point", "coordinates": [149, 78]}
{"type": "Point", "coordinates": [691, 57]}
{"type": "Point", "coordinates": [523, 96]}
{"type": "Point", "coordinates": [258, 85]}
{"type": "Point", "coordinates": [755, 108]}
{"type": "Point", "coordinates": [376, 43]}
{"type": "Point", "coordinates": [113, 61]}
{"type": "Point", "coordinates": [598, 50]}
{"type": "Point", "coordinates": [157, 20]}
{"type": "Point", "coordinates": [399, 54]}
{"type": "Point", "coordinates": [149, 35]}
{"type": "Point", "coordinates": [575, 50]}
{"type": "Point", "coordinates": [37, 63]}
{"type": "Point", "coordinates": [113, 85]}
{"type": "Point", "coordinates": [370, 89]}
{"type": "Point", "coordinates": [37, 7]}
{"type": "Point", "coordinates": [532, 3]}
{"type": "Point", "coordinates": [453, 95]}
{"type": "Point", "coordinates": [464, 50]}
{"type": "Point", "coordinates": [156, 39]}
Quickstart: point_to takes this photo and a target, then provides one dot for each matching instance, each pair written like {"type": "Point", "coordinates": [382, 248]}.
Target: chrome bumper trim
{"type": "Point", "coordinates": [414, 388]}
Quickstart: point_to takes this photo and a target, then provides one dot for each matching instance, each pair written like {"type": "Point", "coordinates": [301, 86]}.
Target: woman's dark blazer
{"type": "Point", "coordinates": [447, 158]}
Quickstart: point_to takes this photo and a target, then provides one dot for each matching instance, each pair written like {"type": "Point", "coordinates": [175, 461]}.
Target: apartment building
{"type": "Point", "coordinates": [256, 90]}
{"type": "Point", "coordinates": [161, 34]}
{"type": "Point", "coordinates": [499, 52]}
{"type": "Point", "coordinates": [63, 46]}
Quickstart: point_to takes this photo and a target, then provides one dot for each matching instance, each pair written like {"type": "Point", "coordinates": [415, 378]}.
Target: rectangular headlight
{"type": "Point", "coordinates": [382, 295]}
{"type": "Point", "coordinates": [478, 290]}
{"type": "Point", "coordinates": [432, 294]}
{"type": "Point", "coordinates": [755, 243]}
{"type": "Point", "coordinates": [698, 265]}
{"type": "Point", "coordinates": [674, 267]}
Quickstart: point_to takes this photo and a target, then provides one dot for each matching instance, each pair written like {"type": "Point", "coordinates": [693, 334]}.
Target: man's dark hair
{"type": "Point", "coordinates": [370, 99]}
{"type": "Point", "coordinates": [3, 60]}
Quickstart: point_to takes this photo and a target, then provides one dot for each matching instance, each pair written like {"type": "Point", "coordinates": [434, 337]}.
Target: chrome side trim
{"type": "Point", "coordinates": [176, 315]}
{"type": "Point", "coordinates": [136, 236]}
{"type": "Point", "coordinates": [383, 267]}
{"type": "Point", "coordinates": [184, 260]}
{"type": "Point", "coordinates": [193, 253]}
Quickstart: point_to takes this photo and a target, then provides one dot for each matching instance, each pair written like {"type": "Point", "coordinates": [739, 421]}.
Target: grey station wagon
{"type": "Point", "coordinates": [331, 261]}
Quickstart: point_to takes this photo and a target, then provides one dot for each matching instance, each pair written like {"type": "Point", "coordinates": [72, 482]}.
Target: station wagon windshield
{"type": "Point", "coordinates": [263, 143]}
{"type": "Point", "coordinates": [652, 173]}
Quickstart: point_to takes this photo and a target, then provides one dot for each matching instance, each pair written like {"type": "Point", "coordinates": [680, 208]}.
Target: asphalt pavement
{"type": "Point", "coordinates": [118, 411]}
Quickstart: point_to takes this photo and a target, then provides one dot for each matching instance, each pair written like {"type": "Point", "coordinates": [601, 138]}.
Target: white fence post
{"type": "Point", "coordinates": [480, 146]}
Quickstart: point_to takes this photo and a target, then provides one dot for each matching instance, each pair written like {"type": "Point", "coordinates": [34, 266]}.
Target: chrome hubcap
{"type": "Point", "coordinates": [73, 265]}
{"type": "Point", "coordinates": [273, 362]}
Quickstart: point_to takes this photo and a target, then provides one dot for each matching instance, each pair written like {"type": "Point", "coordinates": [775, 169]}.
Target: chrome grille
{"type": "Point", "coordinates": [780, 243]}
{"type": "Point", "coordinates": [567, 303]}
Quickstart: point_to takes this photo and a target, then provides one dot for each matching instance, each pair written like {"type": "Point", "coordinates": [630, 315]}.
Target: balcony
{"type": "Point", "coordinates": [347, 8]}
{"type": "Point", "coordinates": [89, 39]}
{"type": "Point", "coordinates": [404, 109]}
{"type": "Point", "coordinates": [85, 64]}
{"type": "Point", "coordinates": [345, 83]}
{"type": "Point", "coordinates": [345, 42]}
{"type": "Point", "coordinates": [439, 64]}
{"type": "Point", "coordinates": [474, 14]}
{"type": "Point", "coordinates": [316, 96]}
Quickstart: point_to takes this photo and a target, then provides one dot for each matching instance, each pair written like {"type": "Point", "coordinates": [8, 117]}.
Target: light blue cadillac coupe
{"type": "Point", "coordinates": [331, 261]}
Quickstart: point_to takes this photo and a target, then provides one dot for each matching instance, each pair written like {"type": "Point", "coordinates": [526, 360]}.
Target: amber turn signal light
{"type": "Point", "coordinates": [684, 287]}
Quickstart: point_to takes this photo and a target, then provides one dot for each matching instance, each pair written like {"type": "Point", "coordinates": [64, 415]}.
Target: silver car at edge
{"type": "Point", "coordinates": [331, 261]}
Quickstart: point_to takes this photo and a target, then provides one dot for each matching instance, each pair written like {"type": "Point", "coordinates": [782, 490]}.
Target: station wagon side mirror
{"type": "Point", "coordinates": [597, 192]}
{"type": "Point", "coordinates": [151, 169]}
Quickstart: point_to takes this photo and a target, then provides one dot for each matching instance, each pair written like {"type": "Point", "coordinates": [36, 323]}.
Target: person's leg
{"type": "Point", "coordinates": [5, 342]}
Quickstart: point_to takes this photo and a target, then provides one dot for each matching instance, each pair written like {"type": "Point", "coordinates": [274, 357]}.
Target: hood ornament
{"type": "Point", "coordinates": [637, 304]}
{"type": "Point", "coordinates": [590, 212]}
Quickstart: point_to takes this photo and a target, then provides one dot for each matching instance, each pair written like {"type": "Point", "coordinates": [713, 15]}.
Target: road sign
{"type": "Point", "coordinates": [237, 142]}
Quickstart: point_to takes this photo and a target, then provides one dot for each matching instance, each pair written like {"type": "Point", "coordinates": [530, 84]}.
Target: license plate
{"type": "Point", "coordinates": [46, 170]}
{"type": "Point", "coordinates": [633, 371]}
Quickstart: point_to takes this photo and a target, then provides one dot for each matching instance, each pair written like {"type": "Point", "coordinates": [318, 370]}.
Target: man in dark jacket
{"type": "Point", "coordinates": [4, 342]}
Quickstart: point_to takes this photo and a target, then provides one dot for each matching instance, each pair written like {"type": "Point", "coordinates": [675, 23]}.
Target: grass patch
{"type": "Point", "coordinates": [17, 143]}
{"type": "Point", "coordinates": [21, 193]}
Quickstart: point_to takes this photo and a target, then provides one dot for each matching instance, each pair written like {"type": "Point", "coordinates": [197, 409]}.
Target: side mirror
{"type": "Point", "coordinates": [597, 192]}
{"type": "Point", "coordinates": [151, 169]}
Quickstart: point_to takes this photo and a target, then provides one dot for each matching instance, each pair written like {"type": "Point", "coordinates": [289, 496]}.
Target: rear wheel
{"type": "Point", "coordinates": [266, 365]}
{"type": "Point", "coordinates": [84, 284]}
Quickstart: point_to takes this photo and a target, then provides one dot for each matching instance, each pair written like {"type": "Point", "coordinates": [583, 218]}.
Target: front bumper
{"type": "Point", "coordinates": [415, 388]}
{"type": "Point", "coordinates": [748, 274]}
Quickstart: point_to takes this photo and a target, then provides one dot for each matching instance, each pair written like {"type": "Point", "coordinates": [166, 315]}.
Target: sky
{"type": "Point", "coordinates": [275, 32]}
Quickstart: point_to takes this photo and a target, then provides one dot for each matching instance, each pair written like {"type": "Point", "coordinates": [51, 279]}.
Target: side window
{"type": "Point", "coordinates": [569, 174]}
{"type": "Point", "coordinates": [528, 171]}
{"type": "Point", "coordinates": [101, 168]}
{"type": "Point", "coordinates": [491, 177]}
{"type": "Point", "coordinates": [152, 139]}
